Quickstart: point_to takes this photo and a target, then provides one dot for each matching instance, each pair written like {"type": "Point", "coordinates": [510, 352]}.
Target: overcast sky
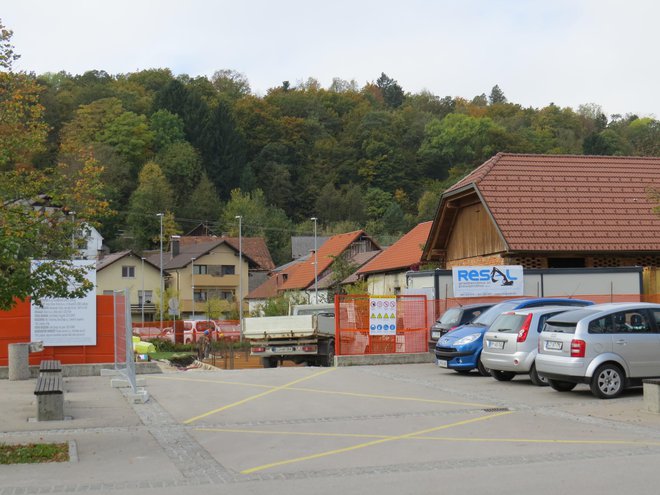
{"type": "Point", "coordinates": [568, 52]}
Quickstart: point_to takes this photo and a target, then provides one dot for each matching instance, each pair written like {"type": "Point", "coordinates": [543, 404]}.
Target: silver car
{"type": "Point", "coordinates": [608, 346]}
{"type": "Point", "coordinates": [511, 343]}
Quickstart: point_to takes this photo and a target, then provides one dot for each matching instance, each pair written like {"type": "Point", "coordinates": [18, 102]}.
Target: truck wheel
{"type": "Point", "coordinates": [269, 362]}
{"type": "Point", "coordinates": [330, 356]}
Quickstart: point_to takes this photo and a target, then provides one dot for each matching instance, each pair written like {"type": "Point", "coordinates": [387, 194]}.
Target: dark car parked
{"type": "Point", "coordinates": [452, 318]}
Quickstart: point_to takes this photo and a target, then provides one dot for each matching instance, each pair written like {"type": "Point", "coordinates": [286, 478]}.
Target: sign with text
{"type": "Point", "coordinates": [382, 315]}
{"type": "Point", "coordinates": [478, 281]}
{"type": "Point", "coordinates": [61, 321]}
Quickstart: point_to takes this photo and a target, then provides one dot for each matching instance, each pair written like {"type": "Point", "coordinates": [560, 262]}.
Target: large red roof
{"type": "Point", "coordinates": [303, 276]}
{"type": "Point", "coordinates": [403, 254]}
{"type": "Point", "coordinates": [570, 203]}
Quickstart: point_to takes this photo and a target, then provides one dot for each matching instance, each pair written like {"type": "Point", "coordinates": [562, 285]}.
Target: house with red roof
{"type": "Point", "coordinates": [550, 211]}
{"type": "Point", "coordinates": [386, 273]}
{"type": "Point", "coordinates": [314, 278]}
{"type": "Point", "coordinates": [202, 268]}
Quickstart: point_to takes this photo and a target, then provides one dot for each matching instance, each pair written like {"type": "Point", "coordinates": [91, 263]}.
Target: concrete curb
{"type": "Point", "coordinates": [372, 359]}
{"type": "Point", "coordinates": [71, 370]}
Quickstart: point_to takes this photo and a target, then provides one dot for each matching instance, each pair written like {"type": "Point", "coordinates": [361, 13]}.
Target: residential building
{"type": "Point", "coordinates": [386, 273]}
{"type": "Point", "coordinates": [205, 268]}
{"type": "Point", "coordinates": [127, 270]}
{"type": "Point", "coordinates": [550, 211]}
{"type": "Point", "coordinates": [314, 278]}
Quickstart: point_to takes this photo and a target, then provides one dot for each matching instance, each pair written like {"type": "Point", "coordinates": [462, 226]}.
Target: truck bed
{"type": "Point", "coordinates": [274, 327]}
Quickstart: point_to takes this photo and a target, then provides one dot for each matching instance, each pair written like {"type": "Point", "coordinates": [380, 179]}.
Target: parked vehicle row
{"type": "Point", "coordinates": [461, 348]}
{"type": "Point", "coordinates": [559, 342]}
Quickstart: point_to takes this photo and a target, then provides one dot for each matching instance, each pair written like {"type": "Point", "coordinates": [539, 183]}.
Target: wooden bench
{"type": "Point", "coordinates": [50, 397]}
{"type": "Point", "coordinates": [50, 366]}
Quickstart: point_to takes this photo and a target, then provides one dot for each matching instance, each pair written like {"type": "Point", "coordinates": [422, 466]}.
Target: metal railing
{"type": "Point", "coordinates": [124, 356]}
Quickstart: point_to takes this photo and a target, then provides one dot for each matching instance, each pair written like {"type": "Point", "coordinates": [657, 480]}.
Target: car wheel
{"type": "Point", "coordinates": [539, 381]}
{"type": "Point", "coordinates": [560, 386]}
{"type": "Point", "coordinates": [502, 376]}
{"type": "Point", "coordinates": [483, 371]}
{"type": "Point", "coordinates": [608, 381]}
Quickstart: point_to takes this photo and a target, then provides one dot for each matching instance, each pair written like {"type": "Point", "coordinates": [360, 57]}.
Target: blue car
{"type": "Point", "coordinates": [460, 349]}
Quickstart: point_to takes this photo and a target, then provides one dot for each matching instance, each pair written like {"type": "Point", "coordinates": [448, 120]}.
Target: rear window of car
{"type": "Point", "coordinates": [451, 316]}
{"type": "Point", "coordinates": [560, 327]}
{"type": "Point", "coordinates": [488, 317]}
{"type": "Point", "coordinates": [508, 323]}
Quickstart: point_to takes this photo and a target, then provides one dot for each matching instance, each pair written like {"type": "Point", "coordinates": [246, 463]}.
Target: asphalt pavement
{"type": "Point", "coordinates": [387, 429]}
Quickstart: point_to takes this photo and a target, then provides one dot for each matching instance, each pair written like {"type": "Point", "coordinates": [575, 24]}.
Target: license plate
{"type": "Point", "coordinates": [442, 363]}
{"type": "Point", "coordinates": [552, 345]}
{"type": "Point", "coordinates": [282, 349]}
{"type": "Point", "coordinates": [496, 344]}
{"type": "Point", "coordinates": [435, 335]}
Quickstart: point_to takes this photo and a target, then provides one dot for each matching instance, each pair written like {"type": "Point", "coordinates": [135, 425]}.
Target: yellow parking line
{"type": "Point", "coordinates": [262, 394]}
{"type": "Point", "coordinates": [373, 442]}
{"type": "Point", "coordinates": [332, 392]}
{"type": "Point", "coordinates": [444, 439]}
{"type": "Point", "coordinates": [208, 380]}
{"type": "Point", "coordinates": [391, 397]}
{"type": "Point", "coordinates": [294, 433]}
{"type": "Point", "coordinates": [542, 440]}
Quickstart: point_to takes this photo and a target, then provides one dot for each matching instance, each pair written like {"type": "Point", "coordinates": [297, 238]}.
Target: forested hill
{"type": "Point", "coordinates": [373, 156]}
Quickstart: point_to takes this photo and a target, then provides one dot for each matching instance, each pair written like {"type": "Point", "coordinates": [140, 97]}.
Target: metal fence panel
{"type": "Point", "coordinates": [353, 337]}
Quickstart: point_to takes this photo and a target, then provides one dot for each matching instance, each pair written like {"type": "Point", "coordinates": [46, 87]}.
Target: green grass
{"type": "Point", "coordinates": [168, 355]}
{"type": "Point", "coordinates": [34, 452]}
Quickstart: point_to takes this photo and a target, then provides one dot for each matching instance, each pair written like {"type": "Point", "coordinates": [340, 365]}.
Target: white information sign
{"type": "Point", "coordinates": [63, 322]}
{"type": "Point", "coordinates": [382, 315]}
{"type": "Point", "coordinates": [478, 281]}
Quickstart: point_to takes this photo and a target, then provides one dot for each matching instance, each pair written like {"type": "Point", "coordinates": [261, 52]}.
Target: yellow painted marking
{"type": "Point", "coordinates": [444, 439]}
{"type": "Point", "coordinates": [541, 440]}
{"type": "Point", "coordinates": [262, 394]}
{"type": "Point", "coordinates": [221, 382]}
{"type": "Point", "coordinates": [294, 433]}
{"type": "Point", "coordinates": [373, 442]}
{"type": "Point", "coordinates": [392, 397]}
{"type": "Point", "coordinates": [332, 392]}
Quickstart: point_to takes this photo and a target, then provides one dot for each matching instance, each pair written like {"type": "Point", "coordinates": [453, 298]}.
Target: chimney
{"type": "Point", "coordinates": [175, 245]}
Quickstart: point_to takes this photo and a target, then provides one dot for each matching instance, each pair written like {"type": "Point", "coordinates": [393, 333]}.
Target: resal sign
{"type": "Point", "coordinates": [477, 281]}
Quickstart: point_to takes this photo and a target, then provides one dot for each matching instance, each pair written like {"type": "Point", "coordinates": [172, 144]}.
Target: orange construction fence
{"type": "Point", "coordinates": [15, 328]}
{"type": "Point", "coordinates": [352, 326]}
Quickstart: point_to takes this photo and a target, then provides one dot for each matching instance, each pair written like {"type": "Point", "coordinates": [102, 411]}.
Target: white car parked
{"type": "Point", "coordinates": [609, 346]}
{"type": "Point", "coordinates": [511, 343]}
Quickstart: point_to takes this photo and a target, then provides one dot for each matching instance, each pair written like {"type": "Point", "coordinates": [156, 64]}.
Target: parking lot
{"type": "Point", "coordinates": [392, 429]}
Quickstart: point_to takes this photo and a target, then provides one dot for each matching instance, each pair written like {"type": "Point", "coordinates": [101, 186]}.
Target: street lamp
{"type": "Point", "coordinates": [240, 272]}
{"type": "Point", "coordinates": [162, 288]}
{"type": "Point", "coordinates": [142, 298]}
{"type": "Point", "coordinates": [192, 282]}
{"type": "Point", "coordinates": [316, 273]}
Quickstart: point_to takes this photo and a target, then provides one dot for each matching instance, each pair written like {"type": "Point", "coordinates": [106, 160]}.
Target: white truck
{"type": "Point", "coordinates": [307, 335]}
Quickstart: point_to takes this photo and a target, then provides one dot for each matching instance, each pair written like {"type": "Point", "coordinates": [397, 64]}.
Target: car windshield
{"type": "Point", "coordinates": [488, 317]}
{"type": "Point", "coordinates": [508, 323]}
{"type": "Point", "coordinates": [450, 316]}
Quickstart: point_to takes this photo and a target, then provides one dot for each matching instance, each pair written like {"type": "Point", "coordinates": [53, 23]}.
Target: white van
{"type": "Point", "coordinates": [608, 346]}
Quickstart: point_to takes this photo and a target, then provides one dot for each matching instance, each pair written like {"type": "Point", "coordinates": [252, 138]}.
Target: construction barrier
{"type": "Point", "coordinates": [354, 318]}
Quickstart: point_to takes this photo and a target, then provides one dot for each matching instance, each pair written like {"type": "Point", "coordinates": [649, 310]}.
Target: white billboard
{"type": "Point", "coordinates": [61, 321]}
{"type": "Point", "coordinates": [483, 281]}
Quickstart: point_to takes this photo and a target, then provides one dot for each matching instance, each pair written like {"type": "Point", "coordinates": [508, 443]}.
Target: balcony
{"type": "Point", "coordinates": [148, 308]}
{"type": "Point", "coordinates": [216, 280]}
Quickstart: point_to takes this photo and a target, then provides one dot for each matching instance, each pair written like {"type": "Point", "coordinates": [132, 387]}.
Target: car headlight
{"type": "Point", "coordinates": [468, 339]}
